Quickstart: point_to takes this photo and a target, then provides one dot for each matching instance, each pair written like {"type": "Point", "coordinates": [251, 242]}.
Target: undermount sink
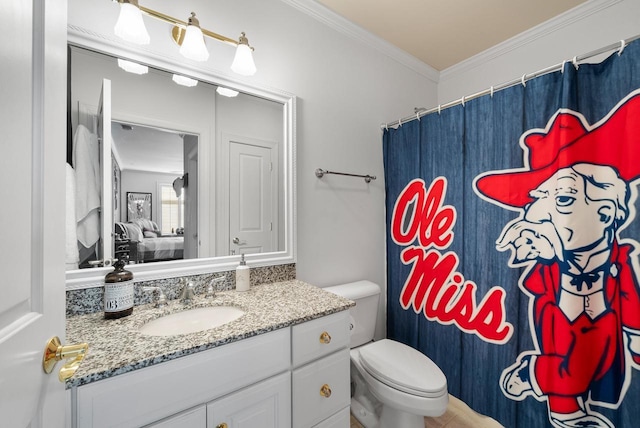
{"type": "Point", "coordinates": [191, 321]}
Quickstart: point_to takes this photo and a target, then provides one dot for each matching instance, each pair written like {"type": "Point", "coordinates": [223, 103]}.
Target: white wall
{"type": "Point", "coordinates": [547, 45]}
{"type": "Point", "coordinates": [345, 90]}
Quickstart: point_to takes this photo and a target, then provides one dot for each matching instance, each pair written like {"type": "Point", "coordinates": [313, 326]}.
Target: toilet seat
{"type": "Point", "coordinates": [403, 368]}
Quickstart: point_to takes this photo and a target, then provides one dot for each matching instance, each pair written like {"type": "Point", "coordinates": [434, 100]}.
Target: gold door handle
{"type": "Point", "coordinates": [325, 391]}
{"type": "Point", "coordinates": [54, 352]}
{"type": "Point", "coordinates": [325, 338]}
{"type": "Point", "coordinates": [222, 425]}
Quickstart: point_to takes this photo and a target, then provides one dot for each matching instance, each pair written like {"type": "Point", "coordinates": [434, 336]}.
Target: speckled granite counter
{"type": "Point", "coordinates": [116, 346]}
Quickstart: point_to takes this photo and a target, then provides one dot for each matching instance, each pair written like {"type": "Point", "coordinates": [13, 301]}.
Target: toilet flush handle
{"type": "Point", "coordinates": [325, 338]}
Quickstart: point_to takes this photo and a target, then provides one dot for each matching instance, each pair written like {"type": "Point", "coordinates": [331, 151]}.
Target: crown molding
{"type": "Point", "coordinates": [344, 26]}
{"type": "Point", "coordinates": [573, 15]}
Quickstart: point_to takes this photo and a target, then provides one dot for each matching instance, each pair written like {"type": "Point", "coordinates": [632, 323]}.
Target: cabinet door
{"type": "Point", "coordinates": [194, 418]}
{"type": "Point", "coordinates": [264, 405]}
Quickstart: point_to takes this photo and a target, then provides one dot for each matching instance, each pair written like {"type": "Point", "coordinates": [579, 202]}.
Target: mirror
{"type": "Point", "coordinates": [190, 179]}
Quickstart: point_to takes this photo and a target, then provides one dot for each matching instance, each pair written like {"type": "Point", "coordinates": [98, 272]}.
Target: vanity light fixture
{"type": "Point", "coordinates": [189, 35]}
{"type": "Point", "coordinates": [184, 80]}
{"type": "Point", "coordinates": [132, 67]}
{"type": "Point", "coordinates": [130, 25]}
{"type": "Point", "coordinates": [226, 92]}
{"type": "Point", "coordinates": [243, 61]}
{"type": "Point", "coordinates": [193, 46]}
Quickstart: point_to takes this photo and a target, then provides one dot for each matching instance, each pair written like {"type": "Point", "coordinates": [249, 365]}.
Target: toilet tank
{"type": "Point", "coordinates": [363, 316]}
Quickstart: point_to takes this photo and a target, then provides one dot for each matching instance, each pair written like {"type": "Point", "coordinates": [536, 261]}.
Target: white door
{"type": "Point", "coordinates": [106, 172]}
{"type": "Point", "coordinates": [252, 183]}
{"type": "Point", "coordinates": [33, 123]}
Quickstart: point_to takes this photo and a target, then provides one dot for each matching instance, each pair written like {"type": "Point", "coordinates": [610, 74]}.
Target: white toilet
{"type": "Point", "coordinates": [392, 384]}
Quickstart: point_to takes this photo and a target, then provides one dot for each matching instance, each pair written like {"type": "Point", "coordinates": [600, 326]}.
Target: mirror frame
{"type": "Point", "coordinates": [94, 277]}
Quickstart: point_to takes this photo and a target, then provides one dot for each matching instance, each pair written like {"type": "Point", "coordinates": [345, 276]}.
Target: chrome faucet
{"type": "Point", "coordinates": [188, 292]}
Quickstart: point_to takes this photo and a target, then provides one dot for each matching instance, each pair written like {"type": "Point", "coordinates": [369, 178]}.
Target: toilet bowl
{"type": "Point", "coordinates": [406, 383]}
{"type": "Point", "coordinates": [393, 385]}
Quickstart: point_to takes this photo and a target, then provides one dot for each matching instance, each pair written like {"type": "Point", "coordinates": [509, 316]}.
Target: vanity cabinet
{"type": "Point", "coordinates": [291, 377]}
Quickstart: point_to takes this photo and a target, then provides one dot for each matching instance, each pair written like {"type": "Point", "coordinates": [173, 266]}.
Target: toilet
{"type": "Point", "coordinates": [392, 384]}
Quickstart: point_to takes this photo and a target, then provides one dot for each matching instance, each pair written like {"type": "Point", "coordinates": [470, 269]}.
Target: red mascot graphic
{"type": "Point", "coordinates": [575, 195]}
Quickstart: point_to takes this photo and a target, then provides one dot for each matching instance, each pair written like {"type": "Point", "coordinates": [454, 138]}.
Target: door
{"type": "Point", "coordinates": [252, 198]}
{"type": "Point", "coordinates": [106, 172]}
{"type": "Point", "coordinates": [33, 123]}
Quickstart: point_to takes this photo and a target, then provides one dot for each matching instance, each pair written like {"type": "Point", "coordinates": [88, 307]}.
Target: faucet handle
{"type": "Point", "coordinates": [210, 291]}
{"type": "Point", "coordinates": [188, 292]}
{"type": "Point", "coordinates": [162, 299]}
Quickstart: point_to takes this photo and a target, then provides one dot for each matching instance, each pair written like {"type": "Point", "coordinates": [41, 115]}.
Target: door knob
{"type": "Point", "coordinates": [236, 240]}
{"type": "Point", "coordinates": [54, 352]}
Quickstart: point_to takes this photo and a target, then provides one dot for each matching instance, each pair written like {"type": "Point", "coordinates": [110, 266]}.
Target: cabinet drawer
{"type": "Point", "coordinates": [342, 419]}
{"type": "Point", "coordinates": [320, 337]}
{"type": "Point", "coordinates": [150, 394]}
{"type": "Point", "coordinates": [310, 406]}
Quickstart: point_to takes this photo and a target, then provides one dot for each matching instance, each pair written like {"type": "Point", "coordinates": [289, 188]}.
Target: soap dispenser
{"type": "Point", "coordinates": [118, 292]}
{"type": "Point", "coordinates": [242, 275]}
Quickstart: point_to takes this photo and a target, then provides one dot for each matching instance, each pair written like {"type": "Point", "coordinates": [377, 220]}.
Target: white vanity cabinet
{"type": "Point", "coordinates": [292, 377]}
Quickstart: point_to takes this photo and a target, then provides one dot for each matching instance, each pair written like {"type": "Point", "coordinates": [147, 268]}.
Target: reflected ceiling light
{"type": "Point", "coordinates": [184, 80]}
{"type": "Point", "coordinates": [193, 46]}
{"type": "Point", "coordinates": [130, 25]}
{"type": "Point", "coordinates": [227, 92]}
{"type": "Point", "coordinates": [132, 67]}
{"type": "Point", "coordinates": [189, 35]}
{"type": "Point", "coordinates": [243, 61]}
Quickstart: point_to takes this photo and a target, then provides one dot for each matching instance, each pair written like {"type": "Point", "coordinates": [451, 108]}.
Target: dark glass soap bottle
{"type": "Point", "coordinates": [118, 292]}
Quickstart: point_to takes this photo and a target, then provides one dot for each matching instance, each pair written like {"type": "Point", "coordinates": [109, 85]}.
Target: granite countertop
{"type": "Point", "coordinates": [116, 346]}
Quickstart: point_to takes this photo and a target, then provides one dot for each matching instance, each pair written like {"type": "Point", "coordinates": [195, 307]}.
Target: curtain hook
{"type": "Point", "coordinates": [523, 81]}
{"type": "Point", "coordinates": [386, 127]}
{"type": "Point", "coordinates": [439, 108]}
{"type": "Point", "coordinates": [418, 116]}
{"type": "Point", "coordinates": [562, 66]}
{"type": "Point", "coordinates": [623, 44]}
{"type": "Point", "coordinates": [574, 61]}
{"type": "Point", "coordinates": [462, 101]}
{"type": "Point", "coordinates": [491, 92]}
{"type": "Point", "coordinates": [399, 123]}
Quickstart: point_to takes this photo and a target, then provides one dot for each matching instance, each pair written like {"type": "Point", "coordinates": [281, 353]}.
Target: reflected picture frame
{"type": "Point", "coordinates": [138, 206]}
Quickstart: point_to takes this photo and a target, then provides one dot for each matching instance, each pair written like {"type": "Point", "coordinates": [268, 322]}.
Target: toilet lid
{"type": "Point", "coordinates": [403, 368]}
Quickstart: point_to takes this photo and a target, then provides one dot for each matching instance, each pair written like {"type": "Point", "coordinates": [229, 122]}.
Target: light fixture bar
{"type": "Point", "coordinates": [183, 25]}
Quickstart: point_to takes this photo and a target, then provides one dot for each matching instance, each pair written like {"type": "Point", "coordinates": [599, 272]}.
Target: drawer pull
{"type": "Point", "coordinates": [222, 425]}
{"type": "Point", "coordinates": [325, 338]}
{"type": "Point", "coordinates": [325, 391]}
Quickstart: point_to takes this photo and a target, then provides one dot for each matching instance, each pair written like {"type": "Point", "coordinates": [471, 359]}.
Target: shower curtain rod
{"type": "Point", "coordinates": [419, 112]}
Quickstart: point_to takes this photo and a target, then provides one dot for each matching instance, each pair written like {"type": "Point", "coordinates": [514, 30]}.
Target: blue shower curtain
{"type": "Point", "coordinates": [512, 246]}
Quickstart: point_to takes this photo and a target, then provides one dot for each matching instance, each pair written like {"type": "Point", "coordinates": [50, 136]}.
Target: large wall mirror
{"type": "Point", "coordinates": [173, 173]}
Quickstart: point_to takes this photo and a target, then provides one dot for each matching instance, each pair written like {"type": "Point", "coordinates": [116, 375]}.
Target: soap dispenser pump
{"type": "Point", "coordinates": [242, 275]}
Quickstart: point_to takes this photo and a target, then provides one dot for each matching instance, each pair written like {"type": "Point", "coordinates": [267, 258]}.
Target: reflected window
{"type": "Point", "coordinates": [171, 210]}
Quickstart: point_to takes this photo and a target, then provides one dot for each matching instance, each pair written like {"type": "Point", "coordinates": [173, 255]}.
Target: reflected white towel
{"type": "Point", "coordinates": [71, 251]}
{"type": "Point", "coordinates": [86, 161]}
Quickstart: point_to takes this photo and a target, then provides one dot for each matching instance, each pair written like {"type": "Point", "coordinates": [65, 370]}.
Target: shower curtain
{"type": "Point", "coordinates": [512, 246]}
